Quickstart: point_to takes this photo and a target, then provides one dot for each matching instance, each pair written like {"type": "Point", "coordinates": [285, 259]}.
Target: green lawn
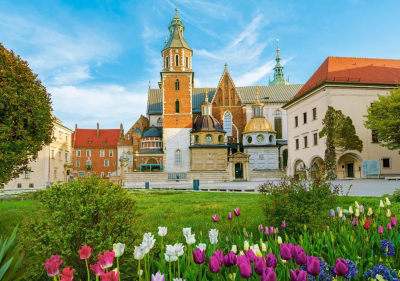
{"type": "Point", "coordinates": [179, 209]}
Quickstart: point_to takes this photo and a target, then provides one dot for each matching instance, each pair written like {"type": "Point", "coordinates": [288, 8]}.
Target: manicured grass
{"type": "Point", "coordinates": [12, 213]}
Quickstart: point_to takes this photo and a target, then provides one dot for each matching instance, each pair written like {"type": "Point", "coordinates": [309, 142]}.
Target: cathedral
{"type": "Point", "coordinates": [240, 132]}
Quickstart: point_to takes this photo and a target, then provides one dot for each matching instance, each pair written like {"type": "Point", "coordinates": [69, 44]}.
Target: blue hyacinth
{"type": "Point", "coordinates": [387, 248]}
{"type": "Point", "coordinates": [381, 270]}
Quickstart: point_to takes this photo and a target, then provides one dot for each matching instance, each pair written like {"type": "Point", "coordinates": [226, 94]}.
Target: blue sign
{"type": "Point", "coordinates": [371, 167]}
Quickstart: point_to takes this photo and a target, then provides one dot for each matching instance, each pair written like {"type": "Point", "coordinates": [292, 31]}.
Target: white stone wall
{"type": "Point", "coordinates": [173, 139]}
{"type": "Point", "coordinates": [120, 151]}
{"type": "Point", "coordinates": [255, 141]}
{"type": "Point", "coordinates": [153, 119]}
{"type": "Point", "coordinates": [263, 157]}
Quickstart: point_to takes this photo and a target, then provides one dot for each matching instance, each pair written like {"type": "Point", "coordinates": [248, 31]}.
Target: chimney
{"type": "Point", "coordinates": [98, 131]}
{"type": "Point", "coordinates": [121, 131]}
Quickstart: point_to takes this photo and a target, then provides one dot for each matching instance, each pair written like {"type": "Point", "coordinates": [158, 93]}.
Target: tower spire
{"type": "Point", "coordinates": [257, 95]}
{"type": "Point", "coordinates": [279, 77]}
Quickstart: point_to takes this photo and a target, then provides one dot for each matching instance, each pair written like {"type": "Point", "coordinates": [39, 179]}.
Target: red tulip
{"type": "Point", "coordinates": [96, 268]}
{"type": "Point", "coordinates": [67, 274]}
{"type": "Point", "coordinates": [84, 252]}
{"type": "Point", "coordinates": [298, 275]}
{"type": "Point", "coordinates": [367, 224]}
{"type": "Point", "coordinates": [106, 260]}
{"type": "Point", "coordinates": [52, 265]}
{"type": "Point", "coordinates": [111, 276]}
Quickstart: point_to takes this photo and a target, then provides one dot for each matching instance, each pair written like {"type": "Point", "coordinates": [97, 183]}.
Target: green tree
{"type": "Point", "coordinates": [26, 122]}
{"type": "Point", "coordinates": [384, 117]}
{"type": "Point", "coordinates": [340, 136]}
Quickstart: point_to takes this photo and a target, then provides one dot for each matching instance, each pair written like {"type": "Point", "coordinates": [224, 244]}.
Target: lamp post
{"type": "Point", "coordinates": [123, 160]}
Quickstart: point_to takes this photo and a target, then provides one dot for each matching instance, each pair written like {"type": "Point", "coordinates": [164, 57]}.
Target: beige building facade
{"type": "Point", "coordinates": [53, 163]}
{"type": "Point", "coordinates": [308, 108]}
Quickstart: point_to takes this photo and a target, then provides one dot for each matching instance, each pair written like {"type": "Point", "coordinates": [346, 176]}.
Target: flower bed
{"type": "Point", "coordinates": [354, 244]}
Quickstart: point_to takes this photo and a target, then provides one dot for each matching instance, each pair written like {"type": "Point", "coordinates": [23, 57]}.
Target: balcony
{"type": "Point", "coordinates": [89, 167]}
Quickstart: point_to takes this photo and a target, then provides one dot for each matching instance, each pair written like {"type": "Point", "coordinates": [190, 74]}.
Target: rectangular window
{"type": "Point", "coordinates": [106, 163]}
{"type": "Point", "coordinates": [111, 153]}
{"type": "Point", "coordinates": [78, 163]}
{"type": "Point", "coordinates": [305, 142]}
{"type": "Point", "coordinates": [78, 153]}
{"type": "Point", "coordinates": [52, 153]}
{"type": "Point", "coordinates": [375, 136]}
{"type": "Point", "coordinates": [386, 162]}
{"type": "Point", "coordinates": [66, 157]}
{"type": "Point", "coordinates": [316, 139]}
{"type": "Point", "coordinates": [60, 135]}
{"type": "Point", "coordinates": [296, 121]}
{"type": "Point", "coordinates": [81, 174]}
{"type": "Point", "coordinates": [55, 173]}
{"type": "Point", "coordinates": [101, 153]}
{"type": "Point", "coordinates": [109, 174]}
{"type": "Point", "coordinates": [27, 175]}
{"type": "Point", "coordinates": [297, 144]}
{"type": "Point", "coordinates": [66, 139]}
{"type": "Point", "coordinates": [102, 174]}
{"type": "Point", "coordinates": [314, 114]}
{"type": "Point", "coordinates": [304, 117]}
{"type": "Point", "coordinates": [88, 153]}
{"type": "Point", "coordinates": [59, 155]}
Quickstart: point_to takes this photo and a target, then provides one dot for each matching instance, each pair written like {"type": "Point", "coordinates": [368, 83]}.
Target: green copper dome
{"type": "Point", "coordinates": [176, 29]}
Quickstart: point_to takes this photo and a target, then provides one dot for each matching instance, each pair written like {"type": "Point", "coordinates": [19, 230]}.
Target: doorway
{"type": "Point", "coordinates": [350, 170]}
{"type": "Point", "coordinates": [239, 171]}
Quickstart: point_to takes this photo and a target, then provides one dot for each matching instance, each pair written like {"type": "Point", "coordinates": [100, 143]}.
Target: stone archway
{"type": "Point", "coordinates": [316, 165]}
{"type": "Point", "coordinates": [349, 165]}
{"type": "Point", "coordinates": [299, 168]}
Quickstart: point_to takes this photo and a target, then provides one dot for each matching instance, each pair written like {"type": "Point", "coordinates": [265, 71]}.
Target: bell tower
{"type": "Point", "coordinates": [177, 88]}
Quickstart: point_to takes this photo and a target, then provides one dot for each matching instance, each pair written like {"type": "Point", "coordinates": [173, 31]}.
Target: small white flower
{"type": "Point", "coordinates": [190, 239]}
{"type": "Point", "coordinates": [381, 204]}
{"type": "Point", "coordinates": [201, 246]}
{"type": "Point", "coordinates": [187, 231]}
{"type": "Point", "coordinates": [162, 231]}
{"type": "Point", "coordinates": [234, 249]}
{"type": "Point", "coordinates": [387, 202]}
{"type": "Point", "coordinates": [118, 249]}
{"type": "Point", "coordinates": [279, 240]}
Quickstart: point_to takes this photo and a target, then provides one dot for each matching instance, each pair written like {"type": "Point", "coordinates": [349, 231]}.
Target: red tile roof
{"type": "Point", "coordinates": [354, 70]}
{"type": "Point", "coordinates": [83, 136]}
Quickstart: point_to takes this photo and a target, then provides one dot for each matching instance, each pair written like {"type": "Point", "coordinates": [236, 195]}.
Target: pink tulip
{"type": "Point", "coordinates": [246, 234]}
{"type": "Point", "coordinates": [283, 224]}
{"type": "Point", "coordinates": [389, 226]}
{"type": "Point", "coordinates": [215, 218]}
{"type": "Point", "coordinates": [380, 229]}
{"type": "Point", "coordinates": [266, 230]}
{"type": "Point", "coordinates": [52, 265]}
{"type": "Point", "coordinates": [260, 227]}
{"type": "Point", "coordinates": [67, 274]}
{"type": "Point", "coordinates": [106, 260]}
{"type": "Point", "coordinates": [96, 268]}
{"type": "Point", "coordinates": [276, 230]}
{"type": "Point", "coordinates": [215, 266]}
{"type": "Point", "coordinates": [111, 276]}
{"type": "Point", "coordinates": [158, 277]}
{"type": "Point", "coordinates": [271, 230]}
{"type": "Point", "coordinates": [230, 217]}
{"type": "Point", "coordinates": [298, 275]}
{"type": "Point", "coordinates": [84, 252]}
{"type": "Point", "coordinates": [394, 221]}
{"type": "Point", "coordinates": [237, 212]}
{"type": "Point", "coordinates": [245, 269]}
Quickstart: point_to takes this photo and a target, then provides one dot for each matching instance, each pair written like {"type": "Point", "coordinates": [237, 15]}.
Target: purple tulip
{"type": "Point", "coordinates": [389, 226]}
{"type": "Point", "coordinates": [237, 212]}
{"type": "Point", "coordinates": [219, 255]}
{"type": "Point", "coordinates": [355, 221]}
{"type": "Point", "coordinates": [380, 229]}
{"type": "Point", "coordinates": [266, 230]}
{"type": "Point", "coordinates": [157, 277]}
{"type": "Point", "coordinates": [344, 218]}
{"type": "Point", "coordinates": [337, 209]}
{"type": "Point", "coordinates": [394, 221]}
{"type": "Point", "coordinates": [283, 224]}
{"type": "Point", "coordinates": [313, 266]}
{"type": "Point", "coordinates": [332, 213]}
{"type": "Point", "coordinates": [271, 260]}
{"type": "Point", "coordinates": [215, 267]}
{"type": "Point", "coordinates": [230, 217]}
{"type": "Point", "coordinates": [260, 266]}
{"type": "Point", "coordinates": [260, 227]}
{"type": "Point", "coordinates": [361, 208]}
{"type": "Point", "coordinates": [298, 275]}
{"type": "Point", "coordinates": [271, 230]}
{"type": "Point", "coordinates": [296, 249]}
{"type": "Point", "coordinates": [215, 218]}
{"type": "Point", "coordinates": [230, 259]}
{"type": "Point", "coordinates": [199, 256]}
{"type": "Point", "coordinates": [341, 267]}
{"type": "Point", "coordinates": [268, 275]}
{"type": "Point", "coordinates": [285, 252]}
{"type": "Point", "coordinates": [250, 255]}
{"type": "Point", "coordinates": [301, 257]}
{"type": "Point", "coordinates": [244, 267]}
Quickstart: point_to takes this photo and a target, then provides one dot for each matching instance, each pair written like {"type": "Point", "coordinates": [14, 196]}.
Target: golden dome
{"type": "Point", "coordinates": [258, 124]}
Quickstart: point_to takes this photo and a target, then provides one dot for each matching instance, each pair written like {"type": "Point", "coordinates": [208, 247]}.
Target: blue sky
{"type": "Point", "coordinates": [96, 57]}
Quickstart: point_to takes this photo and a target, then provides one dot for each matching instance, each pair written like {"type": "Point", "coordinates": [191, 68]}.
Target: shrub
{"type": "Point", "coordinates": [300, 201]}
{"type": "Point", "coordinates": [396, 196]}
{"type": "Point", "coordinates": [89, 212]}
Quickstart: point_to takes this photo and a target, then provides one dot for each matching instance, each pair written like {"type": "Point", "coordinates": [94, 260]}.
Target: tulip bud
{"type": "Point", "coordinates": [244, 230]}
{"type": "Point", "coordinates": [251, 247]}
{"type": "Point", "coordinates": [370, 212]}
{"type": "Point", "coordinates": [381, 204]}
{"type": "Point", "coordinates": [276, 230]}
{"type": "Point", "coordinates": [246, 245]}
{"type": "Point", "coordinates": [283, 224]}
{"type": "Point", "coordinates": [246, 235]}
{"type": "Point", "coordinates": [234, 249]}
{"type": "Point", "coordinates": [344, 218]}
{"type": "Point", "coordinates": [389, 226]}
{"type": "Point", "coordinates": [388, 213]}
{"type": "Point", "coordinates": [332, 213]}
{"type": "Point", "coordinates": [350, 210]}
{"type": "Point", "coordinates": [357, 206]}
{"type": "Point", "coordinates": [261, 241]}
{"type": "Point", "coordinates": [263, 247]}
{"type": "Point", "coordinates": [380, 229]}
{"type": "Point", "coordinates": [251, 234]}
{"type": "Point", "coordinates": [357, 212]}
{"type": "Point", "coordinates": [340, 213]}
{"type": "Point", "coordinates": [260, 227]}
{"type": "Point", "coordinates": [305, 227]}
{"type": "Point", "coordinates": [227, 239]}
{"type": "Point", "coordinates": [387, 202]}
{"type": "Point", "coordinates": [361, 208]}
{"type": "Point", "coordinates": [232, 276]}
{"type": "Point", "coordinates": [283, 261]}
{"type": "Point", "coordinates": [279, 240]}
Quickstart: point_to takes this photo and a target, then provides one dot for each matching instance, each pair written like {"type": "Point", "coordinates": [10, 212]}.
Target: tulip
{"type": "Point", "coordinates": [370, 212]}
{"type": "Point", "coordinates": [332, 213]}
{"type": "Point", "coordinates": [157, 277]}
{"type": "Point", "coordinates": [215, 266]}
{"type": "Point", "coordinates": [344, 218]}
{"type": "Point", "coordinates": [162, 231]}
{"type": "Point", "coordinates": [201, 246]}
{"type": "Point", "coordinates": [271, 260]}
{"type": "Point", "coordinates": [340, 214]}
{"type": "Point", "coordinates": [246, 245]}
{"type": "Point", "coordinates": [361, 208]}
{"type": "Point", "coordinates": [263, 247]}
{"type": "Point", "coordinates": [341, 267]}
{"type": "Point", "coordinates": [380, 229]}
{"type": "Point", "coordinates": [259, 266]}
{"type": "Point", "coordinates": [113, 276]}
{"type": "Point", "coordinates": [178, 249]}
{"type": "Point", "coordinates": [96, 269]}
{"type": "Point", "coordinates": [298, 275]}
{"type": "Point", "coordinates": [357, 214]}
{"type": "Point", "coordinates": [389, 226]}
{"type": "Point", "coordinates": [106, 260]}
{"type": "Point", "coordinates": [283, 224]}
{"type": "Point", "coordinates": [266, 230]}
{"type": "Point", "coordinates": [148, 242]}
{"type": "Point", "coordinates": [387, 202]}
{"type": "Point", "coordinates": [190, 239]}
{"type": "Point", "coordinates": [236, 212]}
{"type": "Point", "coordinates": [381, 204]}
{"type": "Point", "coordinates": [279, 240]}
{"type": "Point", "coordinates": [229, 260]}
{"type": "Point", "coordinates": [350, 210]}
{"type": "Point", "coordinates": [300, 257]}
{"type": "Point", "coordinates": [268, 275]}
{"type": "Point", "coordinates": [213, 235]}
{"type": "Point", "coordinates": [199, 256]}
{"type": "Point", "coordinates": [313, 266]}
{"type": "Point", "coordinates": [367, 224]}
{"type": "Point", "coordinates": [230, 217]}
{"type": "Point", "coordinates": [394, 221]}
{"type": "Point", "coordinates": [187, 231]}
{"type": "Point", "coordinates": [52, 265]}
{"type": "Point", "coordinates": [232, 276]}
{"type": "Point", "coordinates": [276, 230]}
{"type": "Point", "coordinates": [388, 213]}
{"type": "Point", "coordinates": [285, 252]}
{"type": "Point", "coordinates": [215, 218]}
{"type": "Point", "coordinates": [220, 256]}
{"type": "Point", "coordinates": [337, 209]}
{"type": "Point", "coordinates": [170, 258]}
{"type": "Point", "coordinates": [250, 256]}
{"type": "Point", "coordinates": [118, 249]}
{"type": "Point", "coordinates": [138, 253]}
{"type": "Point", "coordinates": [355, 222]}
{"type": "Point", "coordinates": [247, 235]}
{"type": "Point", "coordinates": [271, 230]}
{"type": "Point", "coordinates": [260, 227]}
{"type": "Point", "coordinates": [84, 252]}
{"type": "Point", "coordinates": [357, 206]}
{"type": "Point", "coordinates": [241, 253]}
{"type": "Point", "coordinates": [245, 269]}
{"type": "Point", "coordinates": [234, 249]}
{"type": "Point", "coordinates": [67, 274]}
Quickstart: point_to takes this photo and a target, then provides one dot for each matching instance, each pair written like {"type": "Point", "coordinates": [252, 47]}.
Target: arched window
{"type": "Point", "coordinates": [177, 106]}
{"type": "Point", "coordinates": [278, 124]}
{"type": "Point", "coordinates": [89, 162]}
{"type": "Point", "coordinates": [228, 123]}
{"type": "Point", "coordinates": [187, 62]}
{"type": "Point", "coordinates": [178, 157]}
{"type": "Point", "coordinates": [176, 60]}
{"type": "Point", "coordinates": [177, 85]}
{"type": "Point", "coordinates": [159, 122]}
{"type": "Point", "coordinates": [166, 62]}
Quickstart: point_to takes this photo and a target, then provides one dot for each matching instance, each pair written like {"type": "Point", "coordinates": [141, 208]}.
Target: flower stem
{"type": "Point", "coordinates": [179, 270]}
{"type": "Point", "coordinates": [97, 277]}
{"type": "Point", "coordinates": [140, 276]}
{"type": "Point", "coordinates": [119, 276]}
{"type": "Point", "coordinates": [87, 268]}
{"type": "Point", "coordinates": [170, 272]}
{"type": "Point", "coordinates": [55, 278]}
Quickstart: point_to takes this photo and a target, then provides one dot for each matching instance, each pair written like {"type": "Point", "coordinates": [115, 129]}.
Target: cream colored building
{"type": "Point", "coordinates": [53, 163]}
{"type": "Point", "coordinates": [350, 85]}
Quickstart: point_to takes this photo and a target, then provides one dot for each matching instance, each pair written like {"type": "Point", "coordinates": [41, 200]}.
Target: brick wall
{"type": "Point", "coordinates": [97, 160]}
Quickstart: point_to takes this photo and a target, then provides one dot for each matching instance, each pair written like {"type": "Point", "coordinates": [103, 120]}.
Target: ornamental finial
{"type": "Point", "coordinates": [226, 65]}
{"type": "Point", "coordinates": [206, 94]}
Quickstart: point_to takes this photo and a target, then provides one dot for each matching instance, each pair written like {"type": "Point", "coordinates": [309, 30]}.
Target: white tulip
{"type": "Point", "coordinates": [138, 253]}
{"type": "Point", "coordinates": [388, 213]}
{"type": "Point", "coordinates": [350, 210]}
{"type": "Point", "coordinates": [118, 249]}
{"type": "Point", "coordinates": [170, 258]}
{"type": "Point", "coordinates": [144, 247]}
{"type": "Point", "coordinates": [201, 246]}
{"type": "Point", "coordinates": [234, 249]}
{"type": "Point", "coordinates": [190, 239]}
{"type": "Point", "coordinates": [340, 213]}
{"type": "Point", "coordinates": [264, 247]}
{"type": "Point", "coordinates": [357, 212]}
{"type": "Point", "coordinates": [357, 206]}
{"type": "Point", "coordinates": [140, 272]}
{"type": "Point", "coordinates": [170, 250]}
{"type": "Point", "coordinates": [149, 240]}
{"type": "Point", "coordinates": [162, 231]}
{"type": "Point", "coordinates": [279, 240]}
{"type": "Point", "coordinates": [187, 231]}
{"type": "Point", "coordinates": [387, 202]}
{"type": "Point", "coordinates": [213, 235]}
{"type": "Point", "coordinates": [246, 245]}
{"type": "Point", "coordinates": [178, 249]}
{"type": "Point", "coordinates": [381, 204]}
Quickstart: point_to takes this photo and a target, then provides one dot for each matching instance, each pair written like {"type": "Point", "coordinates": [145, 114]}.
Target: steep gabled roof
{"type": "Point", "coordinates": [354, 71]}
{"type": "Point", "coordinates": [226, 72]}
{"type": "Point", "coordinates": [155, 102]}
{"type": "Point", "coordinates": [107, 137]}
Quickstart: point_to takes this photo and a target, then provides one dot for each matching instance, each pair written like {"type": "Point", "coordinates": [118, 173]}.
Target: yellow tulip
{"type": "Point", "coordinates": [370, 212]}
{"type": "Point", "coordinates": [279, 240]}
{"type": "Point", "coordinates": [357, 206]}
{"type": "Point", "coordinates": [388, 213]}
{"type": "Point", "coordinates": [263, 247]}
{"type": "Point", "coordinates": [246, 245]}
{"type": "Point", "coordinates": [350, 210]}
{"type": "Point", "coordinates": [357, 212]}
{"type": "Point", "coordinates": [234, 249]}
